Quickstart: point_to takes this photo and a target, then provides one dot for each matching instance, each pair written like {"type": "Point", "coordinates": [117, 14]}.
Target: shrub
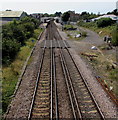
{"type": "Point", "coordinates": [65, 16]}
{"type": "Point", "coordinates": [103, 22]}
{"type": "Point", "coordinates": [115, 36]}
{"type": "Point", "coordinates": [10, 48]}
{"type": "Point", "coordinates": [15, 34]}
{"type": "Point", "coordinates": [84, 34]}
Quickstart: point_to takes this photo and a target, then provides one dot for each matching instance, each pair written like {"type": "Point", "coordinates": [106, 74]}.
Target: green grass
{"type": "Point", "coordinates": [11, 73]}
{"type": "Point", "coordinates": [72, 33]}
{"type": "Point", "coordinates": [92, 26]}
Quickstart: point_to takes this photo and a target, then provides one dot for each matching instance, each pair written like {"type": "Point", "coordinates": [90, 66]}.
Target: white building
{"type": "Point", "coordinates": [113, 17]}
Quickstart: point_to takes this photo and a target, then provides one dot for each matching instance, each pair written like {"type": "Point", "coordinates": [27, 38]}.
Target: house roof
{"type": "Point", "coordinates": [10, 13]}
{"type": "Point", "coordinates": [113, 17]}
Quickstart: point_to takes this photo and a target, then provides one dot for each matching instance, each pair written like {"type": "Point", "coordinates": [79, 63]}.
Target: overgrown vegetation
{"type": "Point", "coordinates": [104, 68]}
{"type": "Point", "coordinates": [13, 61]}
{"type": "Point", "coordinates": [69, 27]}
{"type": "Point", "coordinates": [115, 36]}
{"type": "Point", "coordinates": [15, 34]}
{"type": "Point", "coordinates": [65, 16]}
{"type": "Point", "coordinates": [110, 30]}
{"type": "Point", "coordinates": [72, 32]}
{"type": "Point", "coordinates": [86, 16]}
{"type": "Point", "coordinates": [103, 22]}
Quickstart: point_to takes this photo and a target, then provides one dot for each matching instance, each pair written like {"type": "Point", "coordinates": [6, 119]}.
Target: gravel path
{"type": "Point", "coordinates": [106, 105]}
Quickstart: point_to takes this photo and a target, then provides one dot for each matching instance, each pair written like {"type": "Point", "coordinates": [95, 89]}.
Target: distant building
{"type": "Point", "coordinates": [46, 19]}
{"type": "Point", "coordinates": [74, 17]}
{"type": "Point", "coordinates": [58, 19]}
{"type": "Point", "coordinates": [113, 17]}
{"type": "Point", "coordinates": [37, 15]}
{"type": "Point", "coordinates": [9, 15]}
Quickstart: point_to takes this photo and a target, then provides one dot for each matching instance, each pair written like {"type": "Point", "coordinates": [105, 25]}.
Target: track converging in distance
{"type": "Point", "coordinates": [61, 91]}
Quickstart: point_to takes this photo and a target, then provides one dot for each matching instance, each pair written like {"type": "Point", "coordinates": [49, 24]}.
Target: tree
{"type": "Point", "coordinates": [46, 15]}
{"type": "Point", "coordinates": [103, 22]}
{"type": "Point", "coordinates": [58, 14]}
{"type": "Point", "coordinates": [15, 34]}
{"type": "Point", "coordinates": [10, 47]}
{"type": "Point", "coordinates": [115, 12]}
{"type": "Point", "coordinates": [84, 16]}
{"type": "Point", "coordinates": [65, 16]}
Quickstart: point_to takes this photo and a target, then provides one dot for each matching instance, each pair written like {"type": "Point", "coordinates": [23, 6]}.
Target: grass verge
{"type": "Point", "coordinates": [101, 31]}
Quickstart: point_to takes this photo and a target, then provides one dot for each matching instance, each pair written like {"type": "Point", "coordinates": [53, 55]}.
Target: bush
{"type": "Point", "coordinates": [84, 34]}
{"type": "Point", "coordinates": [115, 36]}
{"type": "Point", "coordinates": [10, 48]}
{"type": "Point", "coordinates": [65, 16]}
{"type": "Point", "coordinates": [15, 34]}
{"type": "Point", "coordinates": [69, 27]}
{"type": "Point", "coordinates": [103, 22]}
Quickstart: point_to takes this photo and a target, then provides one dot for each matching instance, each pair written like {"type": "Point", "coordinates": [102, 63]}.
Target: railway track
{"type": "Point", "coordinates": [45, 102]}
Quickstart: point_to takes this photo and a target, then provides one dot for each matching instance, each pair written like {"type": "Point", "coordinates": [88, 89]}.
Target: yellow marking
{"type": "Point", "coordinates": [42, 103]}
{"type": "Point", "coordinates": [42, 98]}
{"type": "Point", "coordinates": [83, 89]}
{"type": "Point", "coordinates": [80, 83]}
{"type": "Point", "coordinates": [93, 111]}
{"type": "Point", "coordinates": [87, 97]}
{"type": "Point", "coordinates": [83, 111]}
{"type": "Point", "coordinates": [44, 91]}
{"type": "Point", "coordinates": [91, 105]}
{"type": "Point", "coordinates": [40, 114]}
{"type": "Point", "coordinates": [87, 101]}
{"type": "Point", "coordinates": [43, 94]}
{"type": "Point", "coordinates": [45, 81]}
{"type": "Point", "coordinates": [41, 109]}
{"type": "Point", "coordinates": [85, 106]}
{"type": "Point", "coordinates": [81, 86]}
{"type": "Point", "coordinates": [85, 93]}
{"type": "Point", "coordinates": [81, 105]}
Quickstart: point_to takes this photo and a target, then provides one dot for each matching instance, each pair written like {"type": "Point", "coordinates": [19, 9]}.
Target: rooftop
{"type": "Point", "coordinates": [10, 13]}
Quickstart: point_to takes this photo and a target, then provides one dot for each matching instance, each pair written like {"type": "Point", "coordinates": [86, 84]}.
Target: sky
{"type": "Point", "coordinates": [49, 6]}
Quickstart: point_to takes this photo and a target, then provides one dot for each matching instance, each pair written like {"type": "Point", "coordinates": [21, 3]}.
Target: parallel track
{"type": "Point", "coordinates": [45, 98]}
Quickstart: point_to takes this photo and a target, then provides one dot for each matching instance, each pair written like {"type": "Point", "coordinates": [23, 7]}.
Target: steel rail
{"type": "Point", "coordinates": [55, 87]}
{"type": "Point", "coordinates": [53, 79]}
{"type": "Point", "coordinates": [91, 94]}
{"type": "Point", "coordinates": [51, 104]}
{"type": "Point", "coordinates": [65, 76]}
{"type": "Point", "coordinates": [37, 81]}
{"type": "Point", "coordinates": [93, 98]}
{"type": "Point", "coordinates": [69, 85]}
{"type": "Point", "coordinates": [70, 81]}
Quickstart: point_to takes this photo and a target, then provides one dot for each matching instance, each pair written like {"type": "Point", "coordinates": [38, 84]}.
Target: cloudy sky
{"type": "Point", "coordinates": [49, 6]}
